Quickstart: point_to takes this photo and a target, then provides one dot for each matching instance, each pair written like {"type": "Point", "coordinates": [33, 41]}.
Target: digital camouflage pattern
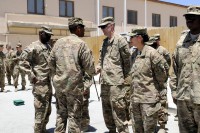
{"type": "Point", "coordinates": [17, 70]}
{"type": "Point", "coordinates": [87, 81]}
{"type": "Point", "coordinates": [185, 81]}
{"type": "Point", "coordinates": [9, 65]}
{"type": "Point", "coordinates": [2, 71]}
{"type": "Point", "coordinates": [163, 113]}
{"type": "Point", "coordinates": [148, 79]}
{"type": "Point", "coordinates": [34, 61]}
{"type": "Point", "coordinates": [114, 64]}
{"type": "Point", "coordinates": [69, 59]}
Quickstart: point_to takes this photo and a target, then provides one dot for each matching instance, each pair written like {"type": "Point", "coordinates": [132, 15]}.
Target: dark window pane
{"type": "Point", "coordinates": [104, 12]}
{"type": "Point", "coordinates": [69, 9]}
{"type": "Point", "coordinates": [31, 6]}
{"type": "Point", "coordinates": [111, 12]}
{"type": "Point", "coordinates": [173, 21]}
{"type": "Point", "coordinates": [132, 17]}
{"type": "Point", "coordinates": [62, 8]}
{"type": "Point", "coordinates": [40, 6]}
{"type": "Point", "coordinates": [156, 20]}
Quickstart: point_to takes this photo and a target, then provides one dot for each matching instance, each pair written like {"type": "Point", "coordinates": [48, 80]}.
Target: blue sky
{"type": "Point", "coordinates": [184, 2]}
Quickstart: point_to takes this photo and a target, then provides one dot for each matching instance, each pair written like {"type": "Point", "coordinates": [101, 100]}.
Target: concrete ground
{"type": "Point", "coordinates": [20, 119]}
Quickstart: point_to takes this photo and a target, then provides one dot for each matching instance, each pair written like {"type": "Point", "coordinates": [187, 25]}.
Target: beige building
{"type": "Point", "coordinates": [20, 22]}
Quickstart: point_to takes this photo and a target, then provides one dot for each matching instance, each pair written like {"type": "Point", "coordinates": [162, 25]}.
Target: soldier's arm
{"type": "Point", "coordinates": [160, 71]}
{"type": "Point", "coordinates": [167, 58]}
{"type": "Point", "coordinates": [26, 62]}
{"type": "Point", "coordinates": [52, 61]}
{"type": "Point", "coordinates": [86, 59]}
{"type": "Point", "coordinates": [174, 80]}
{"type": "Point", "coordinates": [125, 56]}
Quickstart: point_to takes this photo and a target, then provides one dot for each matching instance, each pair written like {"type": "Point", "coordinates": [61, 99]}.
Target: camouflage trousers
{"type": "Point", "coordinates": [2, 78]}
{"type": "Point", "coordinates": [42, 103]}
{"type": "Point", "coordinates": [114, 107]}
{"type": "Point", "coordinates": [69, 107]}
{"type": "Point", "coordinates": [9, 73]}
{"type": "Point", "coordinates": [85, 111]}
{"type": "Point", "coordinates": [127, 100]}
{"type": "Point", "coordinates": [16, 73]}
{"type": "Point", "coordinates": [163, 112]}
{"type": "Point", "coordinates": [188, 116]}
{"type": "Point", "coordinates": [145, 118]}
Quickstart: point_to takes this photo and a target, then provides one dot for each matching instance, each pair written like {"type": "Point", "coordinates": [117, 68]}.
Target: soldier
{"type": "Point", "coordinates": [69, 59]}
{"type": "Point", "coordinates": [148, 78]}
{"type": "Point", "coordinates": [35, 64]}
{"type": "Point", "coordinates": [17, 70]}
{"type": "Point", "coordinates": [185, 78]}
{"type": "Point", "coordinates": [154, 42]}
{"type": "Point", "coordinates": [9, 64]}
{"type": "Point", "coordinates": [2, 68]}
{"type": "Point", "coordinates": [114, 66]}
{"type": "Point", "coordinates": [87, 81]}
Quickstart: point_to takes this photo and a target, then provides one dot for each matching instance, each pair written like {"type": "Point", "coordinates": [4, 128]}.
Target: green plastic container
{"type": "Point", "coordinates": [18, 102]}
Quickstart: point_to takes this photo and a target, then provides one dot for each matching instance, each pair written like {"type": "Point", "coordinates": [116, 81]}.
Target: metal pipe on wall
{"type": "Point", "coordinates": [125, 15]}
{"type": "Point", "coordinates": [98, 31]}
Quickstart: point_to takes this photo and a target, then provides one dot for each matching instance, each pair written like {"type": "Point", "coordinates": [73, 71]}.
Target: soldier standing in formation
{"type": "Point", "coordinates": [9, 64]}
{"type": "Point", "coordinates": [148, 78]}
{"type": "Point", "coordinates": [154, 42]}
{"type": "Point", "coordinates": [114, 66]}
{"type": "Point", "coordinates": [35, 64]}
{"type": "Point", "coordinates": [69, 59]}
{"type": "Point", "coordinates": [17, 70]}
{"type": "Point", "coordinates": [2, 68]}
{"type": "Point", "coordinates": [185, 79]}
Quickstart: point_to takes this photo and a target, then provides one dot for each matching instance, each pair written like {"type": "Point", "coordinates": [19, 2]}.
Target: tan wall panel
{"type": "Point", "coordinates": [19, 30]}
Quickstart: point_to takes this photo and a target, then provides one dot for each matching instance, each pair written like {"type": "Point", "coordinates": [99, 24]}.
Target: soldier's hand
{"type": "Point", "coordinates": [85, 92]}
{"type": "Point", "coordinates": [97, 70]}
{"type": "Point", "coordinates": [175, 100]}
{"type": "Point", "coordinates": [34, 80]}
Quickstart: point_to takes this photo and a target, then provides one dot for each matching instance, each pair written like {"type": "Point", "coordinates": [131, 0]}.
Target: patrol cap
{"type": "Point", "coordinates": [157, 36]}
{"type": "Point", "coordinates": [1, 44]}
{"type": "Point", "coordinates": [46, 29]}
{"type": "Point", "coordinates": [193, 10]}
{"type": "Point", "coordinates": [19, 45]}
{"type": "Point", "coordinates": [106, 20]}
{"type": "Point", "coordinates": [137, 31]}
{"type": "Point", "coordinates": [75, 21]}
{"type": "Point", "coordinates": [152, 40]}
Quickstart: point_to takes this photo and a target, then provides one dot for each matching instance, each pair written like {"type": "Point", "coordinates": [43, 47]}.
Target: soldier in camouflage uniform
{"type": "Point", "coordinates": [17, 70]}
{"type": "Point", "coordinates": [148, 78]}
{"type": "Point", "coordinates": [69, 59]}
{"type": "Point", "coordinates": [114, 66]}
{"type": "Point", "coordinates": [154, 42]}
{"type": "Point", "coordinates": [185, 79]}
{"type": "Point", "coordinates": [2, 68]}
{"type": "Point", "coordinates": [87, 81]}
{"type": "Point", "coordinates": [9, 64]}
{"type": "Point", "coordinates": [35, 64]}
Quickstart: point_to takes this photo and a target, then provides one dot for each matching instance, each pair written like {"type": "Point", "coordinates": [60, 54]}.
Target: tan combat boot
{"type": "Point", "coordinates": [15, 88]}
{"type": "Point", "coordinates": [23, 87]}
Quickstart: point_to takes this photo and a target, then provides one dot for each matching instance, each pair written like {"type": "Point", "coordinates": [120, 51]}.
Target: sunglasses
{"type": "Point", "coordinates": [191, 17]}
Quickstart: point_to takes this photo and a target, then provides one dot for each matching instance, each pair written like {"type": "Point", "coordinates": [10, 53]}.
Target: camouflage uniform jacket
{"type": "Point", "coordinates": [69, 59]}
{"type": "Point", "coordinates": [2, 59]}
{"type": "Point", "coordinates": [165, 53]}
{"type": "Point", "coordinates": [9, 61]}
{"type": "Point", "coordinates": [148, 76]}
{"type": "Point", "coordinates": [114, 61]}
{"type": "Point", "coordinates": [35, 61]}
{"type": "Point", "coordinates": [16, 58]}
{"type": "Point", "coordinates": [185, 79]}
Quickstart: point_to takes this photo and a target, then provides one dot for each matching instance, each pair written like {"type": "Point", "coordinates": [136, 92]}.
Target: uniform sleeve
{"type": "Point", "coordinates": [26, 62]}
{"type": "Point", "coordinates": [167, 58]}
{"type": "Point", "coordinates": [160, 72]}
{"type": "Point", "coordinates": [52, 61]}
{"type": "Point", "coordinates": [174, 80]}
{"type": "Point", "coordinates": [125, 55]}
{"type": "Point", "coordinates": [87, 81]}
{"type": "Point", "coordinates": [86, 60]}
